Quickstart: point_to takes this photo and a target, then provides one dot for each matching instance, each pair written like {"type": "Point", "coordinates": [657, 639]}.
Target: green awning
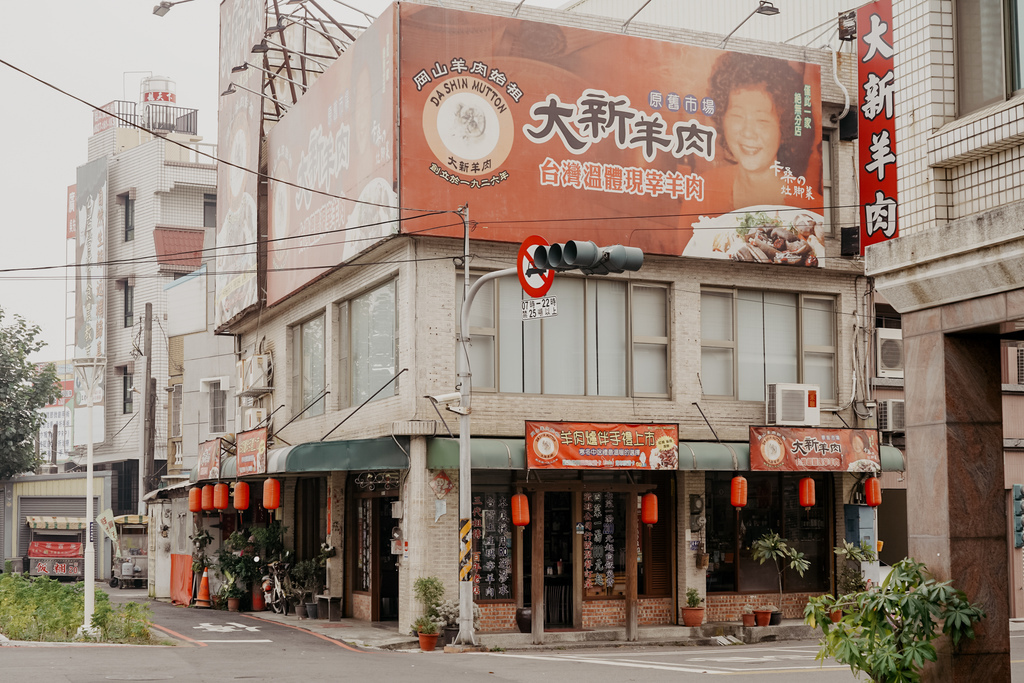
{"type": "Point", "coordinates": [331, 456]}
{"type": "Point", "coordinates": [485, 454]}
{"type": "Point", "coordinates": [892, 459]}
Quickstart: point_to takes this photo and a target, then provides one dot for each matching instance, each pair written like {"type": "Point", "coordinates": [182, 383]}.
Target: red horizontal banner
{"type": "Point", "coordinates": [603, 446]}
{"type": "Point", "coordinates": [53, 549]}
{"type": "Point", "coordinates": [799, 449]}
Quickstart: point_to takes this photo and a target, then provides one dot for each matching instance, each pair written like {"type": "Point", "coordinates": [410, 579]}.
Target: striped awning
{"type": "Point", "coordinates": [58, 523]}
{"type": "Point", "coordinates": [132, 519]}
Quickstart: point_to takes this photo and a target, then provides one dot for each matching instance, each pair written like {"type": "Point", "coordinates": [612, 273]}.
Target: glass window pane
{"type": "Point", "coordinates": [819, 368]}
{"type": "Point", "coordinates": [650, 313]}
{"type": "Point", "coordinates": [759, 517]}
{"type": "Point", "coordinates": [716, 371]}
{"type": "Point", "coordinates": [531, 359]}
{"type": "Point", "coordinates": [481, 361]}
{"type": "Point", "coordinates": [313, 373]}
{"type": "Point", "coordinates": [826, 202]}
{"type": "Point", "coordinates": [807, 531]}
{"type": "Point", "coordinates": [482, 313]}
{"type": "Point", "coordinates": [373, 343]}
{"type": "Point", "coordinates": [716, 316]}
{"type": "Point", "coordinates": [819, 322]}
{"type": "Point", "coordinates": [826, 158]}
{"type": "Point", "coordinates": [650, 368]}
{"type": "Point", "coordinates": [510, 339]}
{"type": "Point", "coordinates": [979, 58]}
{"type": "Point", "coordinates": [721, 532]}
{"type": "Point", "coordinates": [1016, 36]}
{"type": "Point", "coordinates": [780, 330]}
{"type": "Point", "coordinates": [606, 338]}
{"type": "Point", "coordinates": [750, 312]}
{"type": "Point", "coordinates": [564, 342]}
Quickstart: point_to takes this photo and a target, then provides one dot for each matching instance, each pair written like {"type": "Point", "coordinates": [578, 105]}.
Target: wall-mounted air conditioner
{"type": "Point", "coordinates": [254, 416]}
{"type": "Point", "coordinates": [892, 415]}
{"type": "Point", "coordinates": [889, 353]}
{"type": "Point", "coordinates": [258, 371]}
{"type": "Point", "coordinates": [792, 405]}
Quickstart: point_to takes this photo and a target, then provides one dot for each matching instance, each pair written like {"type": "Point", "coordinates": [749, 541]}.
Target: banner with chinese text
{"type": "Point", "coordinates": [209, 460]}
{"type": "Point", "coordinates": [798, 449]}
{"type": "Point", "coordinates": [587, 445]}
{"type": "Point", "coordinates": [711, 153]}
{"type": "Point", "coordinates": [251, 452]}
{"type": "Point", "coordinates": [876, 124]}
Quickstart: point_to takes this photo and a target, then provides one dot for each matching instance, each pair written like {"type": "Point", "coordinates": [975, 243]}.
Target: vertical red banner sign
{"type": "Point", "coordinates": [877, 124]}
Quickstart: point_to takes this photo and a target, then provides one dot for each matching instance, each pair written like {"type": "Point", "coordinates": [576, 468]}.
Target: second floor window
{"type": "Point", "coordinates": [218, 407]}
{"type": "Point", "coordinates": [308, 368]}
{"type": "Point", "coordinates": [610, 338]}
{"type": "Point", "coordinates": [371, 349]}
{"type": "Point", "coordinates": [129, 305]}
{"type": "Point", "coordinates": [750, 338]}
{"type": "Point", "coordinates": [126, 390]}
{"type": "Point", "coordinates": [176, 412]}
{"type": "Point", "coordinates": [129, 219]}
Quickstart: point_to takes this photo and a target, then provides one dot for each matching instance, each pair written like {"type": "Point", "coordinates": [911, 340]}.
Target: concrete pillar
{"type": "Point", "coordinates": [336, 532]}
{"type": "Point", "coordinates": [955, 482]}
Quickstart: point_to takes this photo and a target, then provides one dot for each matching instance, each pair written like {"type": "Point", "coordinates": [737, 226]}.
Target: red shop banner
{"type": "Point", "coordinates": [817, 449]}
{"type": "Point", "coordinates": [252, 452]}
{"type": "Point", "coordinates": [876, 124]}
{"type": "Point", "coordinates": [209, 460]}
{"type": "Point", "coordinates": [601, 446]}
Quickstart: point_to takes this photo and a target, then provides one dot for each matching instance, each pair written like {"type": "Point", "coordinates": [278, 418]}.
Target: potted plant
{"type": "Point", "coordinates": [233, 593]}
{"type": "Point", "coordinates": [849, 577]}
{"type": "Point", "coordinates": [693, 613]}
{"type": "Point", "coordinates": [306, 576]}
{"type": "Point", "coordinates": [887, 632]}
{"type": "Point", "coordinates": [747, 613]}
{"type": "Point", "coordinates": [448, 617]}
{"type": "Point", "coordinates": [426, 629]}
{"type": "Point", "coordinates": [771, 546]}
{"type": "Point", "coordinates": [763, 615]}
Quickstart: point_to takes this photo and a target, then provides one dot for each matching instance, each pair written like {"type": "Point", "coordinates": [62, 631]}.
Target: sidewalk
{"type": "Point", "coordinates": [385, 635]}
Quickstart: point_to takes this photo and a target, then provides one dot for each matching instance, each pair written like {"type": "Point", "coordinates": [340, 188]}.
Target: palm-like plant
{"type": "Point", "coordinates": [773, 547]}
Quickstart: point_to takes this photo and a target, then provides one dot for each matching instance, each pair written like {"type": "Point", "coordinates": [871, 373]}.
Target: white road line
{"type": "Point", "coordinates": [265, 640]}
{"type": "Point", "coordinates": [662, 667]}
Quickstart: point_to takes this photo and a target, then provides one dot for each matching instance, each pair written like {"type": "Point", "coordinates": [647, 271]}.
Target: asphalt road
{"type": "Point", "coordinates": [221, 646]}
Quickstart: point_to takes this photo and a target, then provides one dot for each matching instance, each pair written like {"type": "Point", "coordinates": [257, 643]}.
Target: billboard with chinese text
{"type": "Point", "coordinates": [337, 144]}
{"type": "Point", "coordinates": [876, 124]}
{"type": "Point", "coordinates": [90, 293]}
{"type": "Point", "coordinates": [209, 460]}
{"type": "Point", "coordinates": [578, 134]}
{"type": "Point", "coordinates": [251, 452]}
{"type": "Point", "coordinates": [607, 446]}
{"type": "Point", "coordinates": [239, 117]}
{"type": "Point", "coordinates": [797, 449]}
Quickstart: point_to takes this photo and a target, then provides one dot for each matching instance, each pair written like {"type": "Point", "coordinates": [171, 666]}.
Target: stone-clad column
{"type": "Point", "coordinates": [955, 496]}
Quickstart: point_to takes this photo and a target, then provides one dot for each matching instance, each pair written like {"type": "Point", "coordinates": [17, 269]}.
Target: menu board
{"type": "Point", "coordinates": [492, 546]}
{"type": "Point", "coordinates": [598, 542]}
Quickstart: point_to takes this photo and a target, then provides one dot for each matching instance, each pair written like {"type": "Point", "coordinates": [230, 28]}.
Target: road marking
{"type": "Point", "coordinates": [178, 635]}
{"type": "Point", "coordinates": [662, 667]}
{"type": "Point", "coordinates": [229, 627]}
{"type": "Point", "coordinates": [312, 633]}
{"type": "Point", "coordinates": [263, 640]}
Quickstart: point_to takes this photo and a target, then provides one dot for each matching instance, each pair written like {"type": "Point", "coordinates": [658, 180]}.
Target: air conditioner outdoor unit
{"type": "Point", "coordinates": [240, 375]}
{"type": "Point", "coordinates": [792, 405]}
{"type": "Point", "coordinates": [889, 353]}
{"type": "Point", "coordinates": [257, 372]}
{"type": "Point", "coordinates": [892, 415]}
{"type": "Point", "coordinates": [254, 416]}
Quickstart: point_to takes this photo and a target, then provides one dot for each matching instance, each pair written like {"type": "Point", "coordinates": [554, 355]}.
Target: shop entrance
{"type": "Point", "coordinates": [388, 562]}
{"type": "Point", "coordinates": [556, 560]}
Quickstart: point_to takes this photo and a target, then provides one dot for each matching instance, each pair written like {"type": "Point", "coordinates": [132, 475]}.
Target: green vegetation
{"type": "Point", "coordinates": [773, 547]}
{"type": "Point", "coordinates": [41, 609]}
{"type": "Point", "coordinates": [693, 598]}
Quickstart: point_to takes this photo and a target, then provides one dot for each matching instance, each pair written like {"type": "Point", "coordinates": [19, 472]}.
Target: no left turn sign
{"type": "Point", "coordinates": [535, 282]}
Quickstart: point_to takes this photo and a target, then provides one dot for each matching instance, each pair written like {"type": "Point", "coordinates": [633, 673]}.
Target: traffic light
{"type": "Point", "coordinates": [587, 257]}
{"type": "Point", "coordinates": [1018, 516]}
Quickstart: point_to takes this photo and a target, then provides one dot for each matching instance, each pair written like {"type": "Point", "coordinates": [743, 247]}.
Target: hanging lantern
{"type": "Point", "coordinates": [739, 492]}
{"type": "Point", "coordinates": [220, 496]}
{"type": "Point", "coordinates": [649, 509]}
{"type": "Point", "coordinates": [873, 492]}
{"type": "Point", "coordinates": [271, 494]}
{"type": "Point", "coordinates": [241, 500]}
{"type": "Point", "coordinates": [195, 499]}
{"type": "Point", "coordinates": [807, 492]}
{"type": "Point", "coordinates": [520, 509]}
{"type": "Point", "coordinates": [208, 497]}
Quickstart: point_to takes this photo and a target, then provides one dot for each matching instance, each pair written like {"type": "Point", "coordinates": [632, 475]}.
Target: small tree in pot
{"type": "Point", "coordinates": [428, 590]}
{"type": "Point", "coordinates": [693, 613]}
{"type": "Point", "coordinates": [773, 547]}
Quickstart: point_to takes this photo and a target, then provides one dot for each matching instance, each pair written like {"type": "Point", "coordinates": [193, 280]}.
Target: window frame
{"type": "Point", "coordinates": [209, 200]}
{"type": "Point", "coordinates": [129, 218]}
{"type": "Point", "coordinates": [300, 410]}
{"type": "Point", "coordinates": [218, 408]}
{"type": "Point", "coordinates": [129, 305]}
{"type": "Point", "coordinates": [632, 341]}
{"type": "Point", "coordinates": [1011, 57]}
{"type": "Point", "coordinates": [828, 151]}
{"type": "Point", "coordinates": [802, 349]}
{"type": "Point", "coordinates": [345, 353]}
{"type": "Point", "coordinates": [127, 385]}
{"type": "Point", "coordinates": [175, 408]}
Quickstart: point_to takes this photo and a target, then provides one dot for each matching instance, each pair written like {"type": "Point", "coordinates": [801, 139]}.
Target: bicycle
{"type": "Point", "coordinates": [277, 587]}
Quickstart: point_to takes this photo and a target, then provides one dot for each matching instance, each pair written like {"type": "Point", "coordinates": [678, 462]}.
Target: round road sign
{"type": "Point", "coordinates": [535, 282]}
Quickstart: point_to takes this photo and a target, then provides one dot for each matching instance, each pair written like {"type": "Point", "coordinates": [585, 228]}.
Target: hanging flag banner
{"type": "Point", "coordinates": [586, 445]}
{"type": "Point", "coordinates": [251, 452]}
{"type": "Point", "coordinates": [209, 459]}
{"type": "Point", "coordinates": [817, 449]}
{"type": "Point", "coordinates": [876, 124]}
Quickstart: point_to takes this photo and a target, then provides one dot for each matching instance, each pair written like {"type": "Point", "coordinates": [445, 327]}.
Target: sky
{"type": "Point", "coordinates": [98, 51]}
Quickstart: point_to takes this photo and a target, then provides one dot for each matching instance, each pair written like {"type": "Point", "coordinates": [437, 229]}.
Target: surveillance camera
{"type": "Point", "coordinates": [458, 410]}
{"type": "Point", "coordinates": [446, 398]}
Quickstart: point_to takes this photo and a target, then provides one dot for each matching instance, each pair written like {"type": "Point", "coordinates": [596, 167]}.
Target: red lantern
{"type": "Point", "coordinates": [807, 492]}
{"type": "Point", "coordinates": [195, 499]}
{"type": "Point", "coordinates": [520, 509]}
{"type": "Point", "coordinates": [271, 494]}
{"type": "Point", "coordinates": [649, 509]}
{"type": "Point", "coordinates": [220, 496]}
{"type": "Point", "coordinates": [241, 500]}
{"type": "Point", "coordinates": [739, 492]}
{"type": "Point", "coordinates": [873, 492]}
{"type": "Point", "coordinates": [208, 497]}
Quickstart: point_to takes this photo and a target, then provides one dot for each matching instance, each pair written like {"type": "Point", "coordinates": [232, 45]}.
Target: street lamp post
{"type": "Point", "coordinates": [92, 369]}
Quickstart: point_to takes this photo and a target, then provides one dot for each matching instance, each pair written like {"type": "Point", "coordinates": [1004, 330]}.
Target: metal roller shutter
{"type": "Point", "coordinates": [61, 506]}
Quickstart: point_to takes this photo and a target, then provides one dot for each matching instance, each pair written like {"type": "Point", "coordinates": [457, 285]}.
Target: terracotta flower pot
{"type": "Point", "coordinates": [749, 619]}
{"type": "Point", "coordinates": [763, 616]}
{"type": "Point", "coordinates": [836, 615]}
{"type": "Point", "coordinates": [428, 641]}
{"type": "Point", "coordinates": [234, 604]}
{"type": "Point", "coordinates": [693, 616]}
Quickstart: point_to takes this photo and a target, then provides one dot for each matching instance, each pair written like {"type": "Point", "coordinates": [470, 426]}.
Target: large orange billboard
{"type": "Point", "coordinates": [577, 134]}
{"type": "Point", "coordinates": [798, 449]}
{"type": "Point", "coordinates": [335, 151]}
{"type": "Point", "coordinates": [601, 445]}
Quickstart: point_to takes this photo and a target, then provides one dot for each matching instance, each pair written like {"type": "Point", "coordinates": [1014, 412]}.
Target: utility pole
{"type": "Point", "coordinates": [147, 466]}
